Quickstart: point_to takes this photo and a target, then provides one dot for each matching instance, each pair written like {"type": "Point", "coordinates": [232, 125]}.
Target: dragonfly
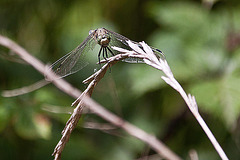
{"type": "Point", "coordinates": [75, 60]}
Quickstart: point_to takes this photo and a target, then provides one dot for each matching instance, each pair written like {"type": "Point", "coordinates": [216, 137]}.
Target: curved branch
{"type": "Point", "coordinates": [151, 140]}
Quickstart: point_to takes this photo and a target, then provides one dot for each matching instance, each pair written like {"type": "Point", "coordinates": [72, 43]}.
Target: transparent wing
{"type": "Point", "coordinates": [159, 54]}
{"type": "Point", "coordinates": [74, 60]}
{"type": "Point", "coordinates": [121, 41]}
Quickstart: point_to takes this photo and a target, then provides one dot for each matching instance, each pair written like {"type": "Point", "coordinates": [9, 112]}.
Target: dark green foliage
{"type": "Point", "coordinates": [201, 44]}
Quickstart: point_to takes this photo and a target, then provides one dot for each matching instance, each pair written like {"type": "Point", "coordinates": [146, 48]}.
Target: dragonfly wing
{"type": "Point", "coordinates": [159, 54]}
{"type": "Point", "coordinates": [121, 41]}
{"type": "Point", "coordinates": [74, 60]}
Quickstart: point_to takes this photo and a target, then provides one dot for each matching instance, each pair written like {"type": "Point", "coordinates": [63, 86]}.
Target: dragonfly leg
{"type": "Point", "coordinates": [107, 57]}
{"type": "Point", "coordinates": [99, 54]}
{"type": "Point", "coordinates": [110, 51]}
{"type": "Point", "coordinates": [104, 53]}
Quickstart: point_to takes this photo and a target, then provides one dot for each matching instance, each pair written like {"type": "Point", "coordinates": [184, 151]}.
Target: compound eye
{"type": "Point", "coordinates": [91, 31]}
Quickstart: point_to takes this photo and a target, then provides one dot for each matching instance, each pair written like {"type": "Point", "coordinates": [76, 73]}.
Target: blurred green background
{"type": "Point", "coordinates": [201, 41]}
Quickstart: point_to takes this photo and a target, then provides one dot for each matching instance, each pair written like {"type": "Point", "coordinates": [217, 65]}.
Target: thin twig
{"type": "Point", "coordinates": [93, 80]}
{"type": "Point", "coordinates": [152, 141]}
{"type": "Point", "coordinates": [25, 90]}
{"type": "Point", "coordinates": [162, 65]}
{"type": "Point", "coordinates": [99, 126]}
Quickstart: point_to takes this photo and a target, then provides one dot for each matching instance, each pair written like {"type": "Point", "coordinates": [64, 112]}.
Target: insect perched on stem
{"type": "Point", "coordinates": [75, 61]}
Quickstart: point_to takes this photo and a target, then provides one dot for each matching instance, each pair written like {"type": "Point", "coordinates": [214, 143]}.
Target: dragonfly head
{"type": "Point", "coordinates": [91, 31]}
{"type": "Point", "coordinates": [101, 36]}
{"type": "Point", "coordinates": [103, 40]}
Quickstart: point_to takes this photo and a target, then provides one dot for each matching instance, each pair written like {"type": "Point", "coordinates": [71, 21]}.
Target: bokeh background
{"type": "Point", "coordinates": [201, 41]}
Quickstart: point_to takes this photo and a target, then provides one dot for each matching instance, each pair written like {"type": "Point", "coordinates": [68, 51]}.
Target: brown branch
{"type": "Point", "coordinates": [151, 140]}
{"type": "Point", "coordinates": [72, 122]}
{"type": "Point", "coordinates": [161, 64]}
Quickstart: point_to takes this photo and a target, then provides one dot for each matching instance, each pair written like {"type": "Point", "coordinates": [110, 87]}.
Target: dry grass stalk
{"type": "Point", "coordinates": [162, 65]}
{"type": "Point", "coordinates": [151, 140]}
